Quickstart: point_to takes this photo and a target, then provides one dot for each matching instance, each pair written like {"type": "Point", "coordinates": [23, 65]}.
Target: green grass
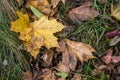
{"type": "Point", "coordinates": [9, 44]}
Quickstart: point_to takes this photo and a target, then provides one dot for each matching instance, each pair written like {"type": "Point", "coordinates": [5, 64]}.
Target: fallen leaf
{"type": "Point", "coordinates": [69, 60]}
{"type": "Point", "coordinates": [56, 2]}
{"type": "Point", "coordinates": [21, 23]}
{"type": "Point", "coordinates": [108, 56]}
{"type": "Point", "coordinates": [27, 75]}
{"type": "Point", "coordinates": [36, 34]}
{"type": "Point", "coordinates": [63, 75]}
{"type": "Point", "coordinates": [36, 12]}
{"type": "Point", "coordinates": [61, 79]}
{"type": "Point", "coordinates": [72, 50]}
{"type": "Point", "coordinates": [77, 77]}
{"type": "Point", "coordinates": [82, 51]}
{"type": "Point", "coordinates": [83, 13]}
{"type": "Point", "coordinates": [115, 59]}
{"type": "Point", "coordinates": [48, 56]}
{"type": "Point", "coordinates": [62, 67]}
{"type": "Point", "coordinates": [99, 69]}
{"type": "Point", "coordinates": [115, 11]}
{"type": "Point", "coordinates": [114, 41]}
{"type": "Point", "coordinates": [45, 28]}
{"type": "Point", "coordinates": [47, 74]}
{"type": "Point", "coordinates": [112, 34]}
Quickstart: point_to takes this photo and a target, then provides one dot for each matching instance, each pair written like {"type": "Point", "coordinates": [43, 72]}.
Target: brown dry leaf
{"type": "Point", "coordinates": [82, 51]}
{"type": "Point", "coordinates": [61, 79]}
{"type": "Point", "coordinates": [47, 74]}
{"type": "Point", "coordinates": [56, 2]}
{"type": "Point", "coordinates": [40, 33]}
{"type": "Point", "coordinates": [77, 77]}
{"type": "Point", "coordinates": [69, 60]}
{"type": "Point", "coordinates": [101, 1]}
{"type": "Point", "coordinates": [99, 69]}
{"type": "Point", "coordinates": [62, 67]}
{"type": "Point", "coordinates": [72, 50]}
{"type": "Point", "coordinates": [115, 11]}
{"type": "Point", "coordinates": [27, 75]}
{"type": "Point", "coordinates": [48, 56]}
{"type": "Point", "coordinates": [83, 13]}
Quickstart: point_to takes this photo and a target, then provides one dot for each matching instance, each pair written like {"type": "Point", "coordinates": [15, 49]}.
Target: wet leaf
{"type": "Point", "coordinates": [83, 13]}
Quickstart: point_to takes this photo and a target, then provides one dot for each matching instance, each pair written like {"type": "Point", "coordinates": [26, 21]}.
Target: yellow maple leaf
{"type": "Point", "coordinates": [21, 23]}
{"type": "Point", "coordinates": [40, 33]}
{"type": "Point", "coordinates": [45, 28]}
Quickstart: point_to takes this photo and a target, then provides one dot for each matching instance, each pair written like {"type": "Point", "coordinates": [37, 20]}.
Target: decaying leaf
{"type": "Point", "coordinates": [115, 11]}
{"type": "Point", "coordinates": [77, 77]}
{"type": "Point", "coordinates": [56, 2]}
{"type": "Point", "coordinates": [82, 51]}
{"type": "Point", "coordinates": [39, 33]}
{"type": "Point", "coordinates": [114, 41]}
{"type": "Point", "coordinates": [63, 67]}
{"type": "Point", "coordinates": [99, 69]}
{"type": "Point", "coordinates": [72, 50]}
{"type": "Point", "coordinates": [110, 58]}
{"type": "Point", "coordinates": [27, 75]}
{"type": "Point", "coordinates": [83, 13]}
{"type": "Point", "coordinates": [47, 75]}
{"type": "Point", "coordinates": [112, 34]}
{"type": "Point", "coordinates": [47, 57]}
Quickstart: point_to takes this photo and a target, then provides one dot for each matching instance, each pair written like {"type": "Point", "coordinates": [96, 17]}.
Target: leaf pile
{"type": "Point", "coordinates": [58, 58]}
